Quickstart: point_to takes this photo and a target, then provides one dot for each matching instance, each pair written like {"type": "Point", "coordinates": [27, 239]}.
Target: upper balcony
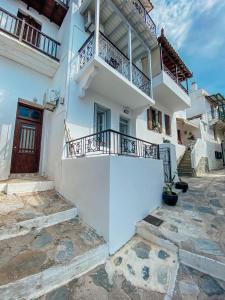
{"type": "Point", "coordinates": [216, 116]}
{"type": "Point", "coordinates": [54, 10]}
{"type": "Point", "coordinates": [116, 63]}
{"type": "Point", "coordinates": [27, 45]}
{"type": "Point", "coordinates": [135, 12]}
{"type": "Point", "coordinates": [170, 73]}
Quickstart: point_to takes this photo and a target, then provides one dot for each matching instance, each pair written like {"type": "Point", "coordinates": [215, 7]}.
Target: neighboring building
{"type": "Point", "coordinates": [201, 134]}
{"type": "Point", "coordinates": [86, 86]}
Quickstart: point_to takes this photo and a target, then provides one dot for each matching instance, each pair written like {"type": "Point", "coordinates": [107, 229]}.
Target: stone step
{"type": "Point", "coordinates": [19, 214]}
{"type": "Point", "coordinates": [18, 186]}
{"type": "Point", "coordinates": [172, 242]}
{"type": "Point", "coordinates": [35, 264]}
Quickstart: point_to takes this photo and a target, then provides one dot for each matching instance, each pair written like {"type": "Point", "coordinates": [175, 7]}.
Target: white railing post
{"type": "Point", "coordinates": [97, 21]}
{"type": "Point", "coordinates": [22, 30]}
{"type": "Point", "coordinates": [150, 71]}
{"type": "Point", "coordinates": [130, 51]}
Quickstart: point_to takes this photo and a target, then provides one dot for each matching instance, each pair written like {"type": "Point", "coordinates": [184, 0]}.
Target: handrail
{"type": "Point", "coordinates": [90, 37]}
{"type": "Point", "coordinates": [114, 131]}
{"type": "Point", "coordinates": [111, 142]}
{"type": "Point", "coordinates": [28, 34]}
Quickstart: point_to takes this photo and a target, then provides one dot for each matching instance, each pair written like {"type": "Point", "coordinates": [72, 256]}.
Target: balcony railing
{"type": "Point", "coordinates": [111, 142]}
{"type": "Point", "coordinates": [165, 69]}
{"type": "Point", "coordinates": [28, 34]}
{"type": "Point", "coordinates": [64, 2]}
{"type": "Point", "coordinates": [145, 15]}
{"type": "Point", "coordinates": [114, 58]}
{"type": "Point", "coordinates": [216, 116]}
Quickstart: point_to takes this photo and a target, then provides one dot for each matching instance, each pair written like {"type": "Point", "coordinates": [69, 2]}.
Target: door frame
{"type": "Point", "coordinates": [32, 105]}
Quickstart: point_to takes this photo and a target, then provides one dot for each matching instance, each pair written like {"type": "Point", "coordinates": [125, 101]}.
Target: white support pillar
{"type": "Point", "coordinates": [97, 22]}
{"type": "Point", "coordinates": [130, 50]}
{"type": "Point", "coordinates": [150, 72]}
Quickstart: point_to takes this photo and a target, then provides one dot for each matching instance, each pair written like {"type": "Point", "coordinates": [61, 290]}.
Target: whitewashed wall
{"type": "Point", "coordinates": [112, 193]}
{"type": "Point", "coordinates": [16, 81]}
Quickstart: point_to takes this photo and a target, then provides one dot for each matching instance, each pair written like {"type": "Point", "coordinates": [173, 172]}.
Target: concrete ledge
{"type": "Point", "coordinates": [24, 227]}
{"type": "Point", "coordinates": [203, 264]}
{"type": "Point", "coordinates": [3, 187]}
{"type": "Point", "coordinates": [29, 187]}
{"type": "Point", "coordinates": [35, 286]}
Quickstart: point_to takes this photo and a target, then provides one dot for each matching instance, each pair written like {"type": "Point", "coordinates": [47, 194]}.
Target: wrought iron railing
{"type": "Point", "coordinates": [111, 142]}
{"type": "Point", "coordinates": [28, 34]}
{"type": "Point", "coordinates": [215, 116]}
{"type": "Point", "coordinates": [145, 15]}
{"type": "Point", "coordinates": [116, 59]}
{"type": "Point", "coordinates": [64, 2]}
{"type": "Point", "coordinates": [167, 71]}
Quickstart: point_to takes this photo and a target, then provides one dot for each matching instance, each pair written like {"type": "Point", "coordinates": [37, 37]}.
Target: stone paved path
{"type": "Point", "coordinates": [16, 208]}
{"type": "Point", "coordinates": [194, 285]}
{"type": "Point", "coordinates": [196, 224]}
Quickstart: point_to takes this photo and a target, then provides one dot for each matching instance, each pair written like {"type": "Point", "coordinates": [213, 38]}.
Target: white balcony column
{"type": "Point", "coordinates": [150, 71]}
{"type": "Point", "coordinates": [130, 50]}
{"type": "Point", "coordinates": [97, 26]}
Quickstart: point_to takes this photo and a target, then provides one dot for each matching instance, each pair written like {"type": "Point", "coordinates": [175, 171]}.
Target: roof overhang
{"type": "Point", "coordinates": [172, 60]}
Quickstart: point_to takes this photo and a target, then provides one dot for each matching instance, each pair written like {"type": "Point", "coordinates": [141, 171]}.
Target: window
{"type": "Point", "coordinates": [29, 113]}
{"type": "Point", "coordinates": [154, 120]}
{"type": "Point", "coordinates": [102, 118]}
{"type": "Point", "coordinates": [167, 125]}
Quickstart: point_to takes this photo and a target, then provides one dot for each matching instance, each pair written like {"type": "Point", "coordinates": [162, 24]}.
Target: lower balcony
{"type": "Point", "coordinates": [111, 142]}
{"type": "Point", "coordinates": [217, 118]}
{"type": "Point", "coordinates": [26, 45]}
{"type": "Point", "coordinates": [112, 74]}
{"type": "Point", "coordinates": [169, 91]}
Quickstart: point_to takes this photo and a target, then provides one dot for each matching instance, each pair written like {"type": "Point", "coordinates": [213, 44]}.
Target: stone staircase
{"type": "Point", "coordinates": [185, 167]}
{"type": "Point", "coordinates": [44, 244]}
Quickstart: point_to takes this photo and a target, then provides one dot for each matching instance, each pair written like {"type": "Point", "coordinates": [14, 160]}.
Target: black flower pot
{"type": "Point", "coordinates": [182, 186]}
{"type": "Point", "coordinates": [170, 199]}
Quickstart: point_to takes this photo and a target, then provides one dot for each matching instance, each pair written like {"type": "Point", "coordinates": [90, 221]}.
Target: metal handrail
{"type": "Point", "coordinates": [111, 142]}
{"type": "Point", "coordinates": [28, 34]}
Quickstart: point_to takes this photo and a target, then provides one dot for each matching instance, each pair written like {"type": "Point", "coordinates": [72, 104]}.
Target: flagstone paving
{"type": "Point", "coordinates": [20, 207]}
{"type": "Point", "coordinates": [194, 285]}
{"type": "Point", "coordinates": [41, 249]}
{"type": "Point", "coordinates": [196, 224]}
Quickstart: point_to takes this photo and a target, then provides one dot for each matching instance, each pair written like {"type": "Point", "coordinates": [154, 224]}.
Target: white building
{"type": "Point", "coordinates": [201, 133]}
{"type": "Point", "coordinates": [72, 69]}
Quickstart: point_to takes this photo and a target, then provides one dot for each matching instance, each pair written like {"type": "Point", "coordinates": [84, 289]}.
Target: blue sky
{"type": "Point", "coordinates": [196, 28]}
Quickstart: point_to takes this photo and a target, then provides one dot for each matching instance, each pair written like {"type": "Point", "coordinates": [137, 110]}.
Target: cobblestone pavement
{"type": "Point", "coordinates": [196, 224]}
{"type": "Point", "coordinates": [194, 285]}
{"type": "Point", "coordinates": [37, 251]}
{"type": "Point", "coordinates": [20, 207]}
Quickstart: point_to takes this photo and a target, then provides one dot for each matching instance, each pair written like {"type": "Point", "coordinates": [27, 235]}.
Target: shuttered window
{"type": "Point", "coordinates": [167, 125]}
{"type": "Point", "coordinates": [154, 120]}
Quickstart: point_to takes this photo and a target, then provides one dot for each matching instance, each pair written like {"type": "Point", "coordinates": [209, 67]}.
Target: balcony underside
{"type": "Point", "coordinates": [169, 94]}
{"type": "Point", "coordinates": [114, 16]}
{"type": "Point", "coordinates": [54, 10]}
{"type": "Point", "coordinates": [23, 54]}
{"type": "Point", "coordinates": [103, 79]}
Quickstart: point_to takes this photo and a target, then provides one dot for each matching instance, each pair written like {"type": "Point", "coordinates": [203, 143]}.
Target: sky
{"type": "Point", "coordinates": [196, 29]}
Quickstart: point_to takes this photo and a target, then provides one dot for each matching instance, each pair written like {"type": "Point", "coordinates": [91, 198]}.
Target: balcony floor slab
{"type": "Point", "coordinates": [103, 79]}
{"type": "Point", "coordinates": [19, 52]}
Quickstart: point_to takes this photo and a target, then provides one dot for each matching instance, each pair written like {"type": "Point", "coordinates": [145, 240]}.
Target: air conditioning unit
{"type": "Point", "coordinates": [51, 98]}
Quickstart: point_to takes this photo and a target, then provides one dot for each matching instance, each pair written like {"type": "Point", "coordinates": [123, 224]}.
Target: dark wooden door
{"type": "Point", "coordinates": [27, 140]}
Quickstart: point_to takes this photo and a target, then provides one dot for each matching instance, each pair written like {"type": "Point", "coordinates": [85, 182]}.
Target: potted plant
{"type": "Point", "coordinates": [181, 185]}
{"type": "Point", "coordinates": [168, 196]}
